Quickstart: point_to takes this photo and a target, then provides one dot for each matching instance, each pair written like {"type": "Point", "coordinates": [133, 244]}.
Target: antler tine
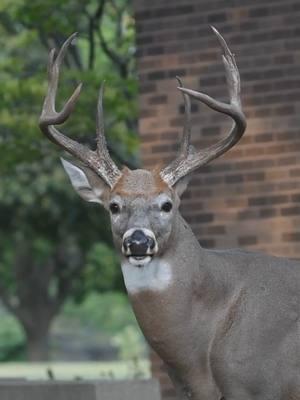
{"type": "Point", "coordinates": [100, 132]}
{"type": "Point", "coordinates": [173, 172]}
{"type": "Point", "coordinates": [185, 142]}
{"type": "Point", "coordinates": [231, 69]}
{"type": "Point", "coordinates": [100, 161]}
{"type": "Point", "coordinates": [49, 114]}
{"type": "Point", "coordinates": [102, 151]}
{"type": "Point", "coordinates": [185, 147]}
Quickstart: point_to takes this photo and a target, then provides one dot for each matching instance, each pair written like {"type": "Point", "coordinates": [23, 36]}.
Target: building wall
{"type": "Point", "coordinates": [250, 197]}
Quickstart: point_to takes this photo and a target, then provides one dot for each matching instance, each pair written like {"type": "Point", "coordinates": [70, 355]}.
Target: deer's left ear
{"type": "Point", "coordinates": [92, 190]}
{"type": "Point", "coordinates": [181, 185]}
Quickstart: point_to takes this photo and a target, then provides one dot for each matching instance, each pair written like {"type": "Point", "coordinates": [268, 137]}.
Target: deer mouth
{"type": "Point", "coordinates": [139, 260]}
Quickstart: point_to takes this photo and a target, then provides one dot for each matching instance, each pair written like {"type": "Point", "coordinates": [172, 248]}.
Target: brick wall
{"type": "Point", "coordinates": [251, 196]}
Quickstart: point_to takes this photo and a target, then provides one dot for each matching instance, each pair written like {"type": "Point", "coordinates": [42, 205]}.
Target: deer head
{"type": "Point", "coordinates": [143, 204]}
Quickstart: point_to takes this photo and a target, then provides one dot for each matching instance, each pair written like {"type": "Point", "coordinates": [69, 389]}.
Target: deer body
{"type": "Point", "coordinates": [226, 323]}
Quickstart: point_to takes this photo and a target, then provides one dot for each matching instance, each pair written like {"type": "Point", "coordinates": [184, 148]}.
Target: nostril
{"type": "Point", "coordinates": [151, 243]}
{"type": "Point", "coordinates": [126, 244]}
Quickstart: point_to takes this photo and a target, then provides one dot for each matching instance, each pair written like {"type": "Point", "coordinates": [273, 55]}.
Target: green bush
{"type": "Point", "coordinates": [12, 339]}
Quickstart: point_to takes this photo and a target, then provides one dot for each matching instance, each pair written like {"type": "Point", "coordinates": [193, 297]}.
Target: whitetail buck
{"type": "Point", "coordinates": [225, 322]}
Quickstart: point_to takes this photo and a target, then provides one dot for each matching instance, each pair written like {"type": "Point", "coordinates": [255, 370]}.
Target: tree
{"type": "Point", "coordinates": [48, 237]}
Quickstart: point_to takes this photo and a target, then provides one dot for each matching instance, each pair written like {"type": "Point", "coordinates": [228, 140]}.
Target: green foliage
{"type": "Point", "coordinates": [12, 339]}
{"type": "Point", "coordinates": [129, 342]}
{"type": "Point", "coordinates": [49, 238]}
{"type": "Point", "coordinates": [107, 313]}
{"type": "Point", "coordinates": [110, 317]}
{"type": "Point", "coordinates": [104, 260]}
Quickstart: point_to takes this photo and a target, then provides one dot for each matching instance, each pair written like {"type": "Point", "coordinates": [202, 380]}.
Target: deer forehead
{"type": "Point", "coordinates": [140, 182]}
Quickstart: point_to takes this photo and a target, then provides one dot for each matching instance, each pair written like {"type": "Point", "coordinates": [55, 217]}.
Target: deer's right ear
{"type": "Point", "coordinates": [91, 190]}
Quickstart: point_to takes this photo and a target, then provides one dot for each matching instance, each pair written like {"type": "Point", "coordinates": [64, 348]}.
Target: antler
{"type": "Point", "coordinates": [99, 161]}
{"type": "Point", "coordinates": [188, 159]}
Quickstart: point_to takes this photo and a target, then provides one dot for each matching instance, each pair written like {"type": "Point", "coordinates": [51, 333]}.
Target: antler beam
{"type": "Point", "coordinates": [99, 161]}
{"type": "Point", "coordinates": [188, 159]}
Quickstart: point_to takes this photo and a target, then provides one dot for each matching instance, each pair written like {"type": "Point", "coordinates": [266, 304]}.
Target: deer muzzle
{"type": "Point", "coordinates": [139, 245]}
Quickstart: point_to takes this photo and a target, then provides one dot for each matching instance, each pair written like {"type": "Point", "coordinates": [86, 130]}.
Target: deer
{"type": "Point", "coordinates": [226, 323]}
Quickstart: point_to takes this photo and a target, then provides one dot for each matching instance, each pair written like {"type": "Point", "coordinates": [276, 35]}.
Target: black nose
{"type": "Point", "coordinates": [138, 243]}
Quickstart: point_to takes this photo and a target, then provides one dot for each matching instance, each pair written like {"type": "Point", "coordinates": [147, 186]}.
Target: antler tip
{"type": "Point", "coordinates": [222, 41]}
{"type": "Point", "coordinates": [178, 80]}
{"type": "Point", "coordinates": [79, 87]}
{"type": "Point", "coordinates": [52, 52]}
{"type": "Point", "coordinates": [73, 38]}
{"type": "Point", "coordinates": [100, 94]}
{"type": "Point", "coordinates": [214, 29]}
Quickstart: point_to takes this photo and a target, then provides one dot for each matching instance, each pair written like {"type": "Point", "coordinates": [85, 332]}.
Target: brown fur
{"type": "Point", "coordinates": [292, 393]}
{"type": "Point", "coordinates": [140, 182]}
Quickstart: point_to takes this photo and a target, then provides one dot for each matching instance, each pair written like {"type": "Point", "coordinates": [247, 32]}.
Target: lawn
{"type": "Point", "coordinates": [77, 370]}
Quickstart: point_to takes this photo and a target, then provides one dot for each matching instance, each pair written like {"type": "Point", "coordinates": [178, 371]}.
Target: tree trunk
{"type": "Point", "coordinates": [37, 343]}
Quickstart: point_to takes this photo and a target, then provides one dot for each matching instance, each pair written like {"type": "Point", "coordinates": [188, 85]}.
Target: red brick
{"type": "Point", "coordinates": [258, 180]}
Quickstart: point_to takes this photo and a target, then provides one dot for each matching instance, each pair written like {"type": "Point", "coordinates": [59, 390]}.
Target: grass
{"type": "Point", "coordinates": [77, 370]}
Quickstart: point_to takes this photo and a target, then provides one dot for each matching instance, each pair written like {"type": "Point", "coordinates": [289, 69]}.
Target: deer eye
{"type": "Point", "coordinates": [166, 206]}
{"type": "Point", "coordinates": [114, 208]}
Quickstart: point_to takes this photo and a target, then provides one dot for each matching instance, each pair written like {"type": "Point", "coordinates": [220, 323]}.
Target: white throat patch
{"type": "Point", "coordinates": [155, 276]}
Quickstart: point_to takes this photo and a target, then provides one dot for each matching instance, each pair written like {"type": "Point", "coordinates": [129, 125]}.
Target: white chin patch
{"type": "Point", "coordinates": [155, 276]}
{"type": "Point", "coordinates": [137, 261]}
